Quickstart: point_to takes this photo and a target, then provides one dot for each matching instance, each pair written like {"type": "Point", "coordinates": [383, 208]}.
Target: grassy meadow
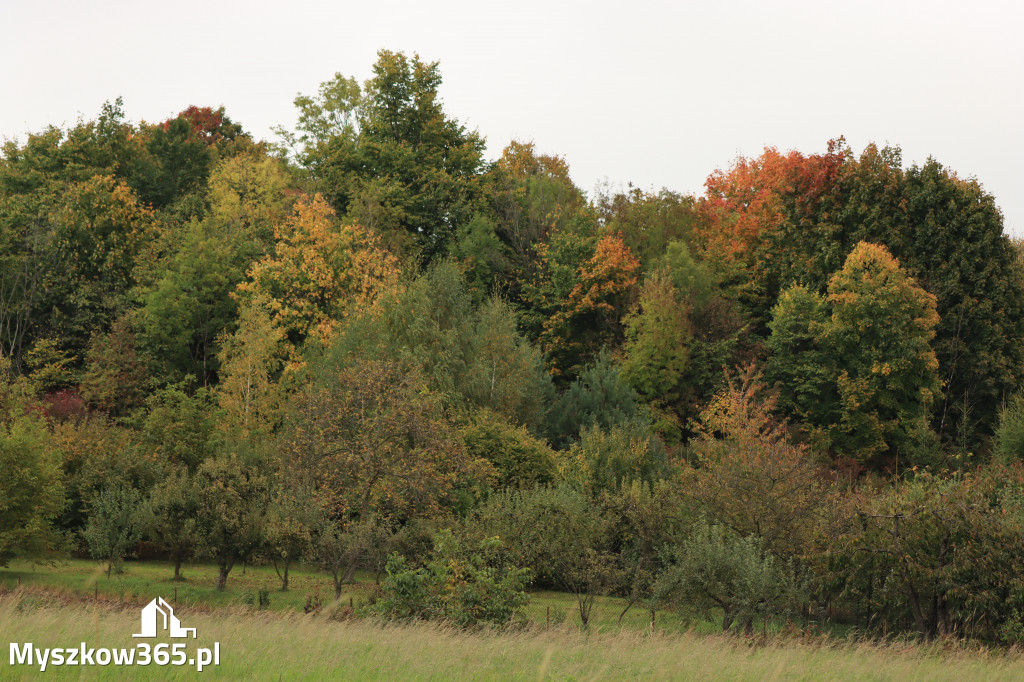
{"type": "Point", "coordinates": [141, 581]}
{"type": "Point", "coordinates": [63, 605]}
{"type": "Point", "coordinates": [291, 645]}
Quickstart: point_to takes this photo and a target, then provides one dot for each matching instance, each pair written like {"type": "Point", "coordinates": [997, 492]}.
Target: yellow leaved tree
{"type": "Point", "coordinates": [320, 270]}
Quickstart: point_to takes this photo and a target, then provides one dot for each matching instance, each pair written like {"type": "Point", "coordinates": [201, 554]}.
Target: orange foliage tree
{"type": "Point", "coordinates": [589, 318]}
{"type": "Point", "coordinates": [757, 215]}
{"type": "Point", "coordinates": [320, 270]}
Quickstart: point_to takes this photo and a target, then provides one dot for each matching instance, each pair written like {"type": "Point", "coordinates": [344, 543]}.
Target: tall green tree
{"type": "Point", "coordinates": [880, 339]}
{"type": "Point", "coordinates": [32, 493]}
{"type": "Point", "coordinates": [858, 365]}
{"type": "Point", "coordinates": [799, 366]}
{"type": "Point", "coordinates": [782, 219]}
{"type": "Point", "coordinates": [648, 221]}
{"type": "Point", "coordinates": [190, 305]}
{"type": "Point", "coordinates": [529, 198]}
{"type": "Point", "coordinates": [389, 157]}
{"type": "Point", "coordinates": [679, 336]}
{"type": "Point", "coordinates": [960, 253]}
{"type": "Point", "coordinates": [101, 229]}
{"type": "Point", "coordinates": [67, 231]}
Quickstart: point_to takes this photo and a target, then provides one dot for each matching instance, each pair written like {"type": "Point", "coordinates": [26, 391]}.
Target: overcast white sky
{"type": "Point", "coordinates": [657, 93]}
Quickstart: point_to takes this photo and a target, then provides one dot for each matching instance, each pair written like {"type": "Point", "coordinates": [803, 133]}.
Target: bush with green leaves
{"type": "Point", "coordinates": [175, 517]}
{"type": "Point", "coordinates": [936, 556]}
{"type": "Point", "coordinates": [94, 451]}
{"type": "Point", "coordinates": [178, 425]}
{"type": "Point", "coordinates": [714, 568]}
{"type": "Point", "coordinates": [559, 533]}
{"type": "Point", "coordinates": [520, 458]}
{"type": "Point", "coordinates": [32, 492]}
{"type": "Point", "coordinates": [118, 517]}
{"type": "Point", "coordinates": [463, 583]}
{"type": "Point", "coordinates": [608, 459]}
{"type": "Point", "coordinates": [647, 518]}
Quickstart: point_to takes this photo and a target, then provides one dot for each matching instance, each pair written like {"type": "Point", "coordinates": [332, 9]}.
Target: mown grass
{"type": "Point", "coordinates": [289, 645]}
{"type": "Point", "coordinates": [141, 581]}
{"type": "Point", "coordinates": [147, 579]}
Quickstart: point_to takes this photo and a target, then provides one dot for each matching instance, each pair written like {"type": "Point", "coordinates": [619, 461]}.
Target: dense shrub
{"type": "Point", "coordinates": [519, 458]}
{"type": "Point", "coordinates": [937, 556]}
{"type": "Point", "coordinates": [118, 517]}
{"type": "Point", "coordinates": [716, 568]}
{"type": "Point", "coordinates": [558, 532]}
{"type": "Point", "coordinates": [608, 459]}
{"type": "Point", "coordinates": [31, 491]}
{"type": "Point", "coordinates": [462, 583]}
{"type": "Point", "coordinates": [748, 475]}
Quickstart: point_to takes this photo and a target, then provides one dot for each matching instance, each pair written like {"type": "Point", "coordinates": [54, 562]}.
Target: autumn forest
{"type": "Point", "coordinates": [365, 347]}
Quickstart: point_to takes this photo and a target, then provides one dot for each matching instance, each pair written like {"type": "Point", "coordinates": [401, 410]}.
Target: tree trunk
{"type": "Point", "coordinates": [282, 575]}
{"type": "Point", "coordinates": [585, 600]}
{"type": "Point", "coordinates": [222, 577]}
{"type": "Point", "coordinates": [634, 595]}
{"type": "Point", "coordinates": [337, 585]}
{"type": "Point", "coordinates": [177, 567]}
{"type": "Point", "coordinates": [915, 608]}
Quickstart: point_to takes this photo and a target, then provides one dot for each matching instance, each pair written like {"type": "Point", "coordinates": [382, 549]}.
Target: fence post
{"type": "Point", "coordinates": [351, 602]}
{"type": "Point", "coordinates": [96, 591]}
{"type": "Point", "coordinates": [175, 595]}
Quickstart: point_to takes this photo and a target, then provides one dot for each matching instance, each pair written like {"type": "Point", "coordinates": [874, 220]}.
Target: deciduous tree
{"type": "Point", "coordinates": [320, 269]}
{"type": "Point", "coordinates": [378, 445]}
{"type": "Point", "coordinates": [233, 501]}
{"type": "Point", "coordinates": [879, 338]}
{"type": "Point", "coordinates": [174, 502]}
{"type": "Point", "coordinates": [118, 517]}
{"type": "Point", "coordinates": [31, 490]}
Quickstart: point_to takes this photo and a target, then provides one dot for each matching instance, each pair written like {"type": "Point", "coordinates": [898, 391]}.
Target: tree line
{"type": "Point", "coordinates": [365, 345]}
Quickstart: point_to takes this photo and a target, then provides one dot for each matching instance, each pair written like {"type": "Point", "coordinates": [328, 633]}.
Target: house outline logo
{"type": "Point", "coordinates": [151, 613]}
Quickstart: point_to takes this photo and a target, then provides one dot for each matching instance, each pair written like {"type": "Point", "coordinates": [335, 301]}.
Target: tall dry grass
{"type": "Point", "coordinates": [294, 646]}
